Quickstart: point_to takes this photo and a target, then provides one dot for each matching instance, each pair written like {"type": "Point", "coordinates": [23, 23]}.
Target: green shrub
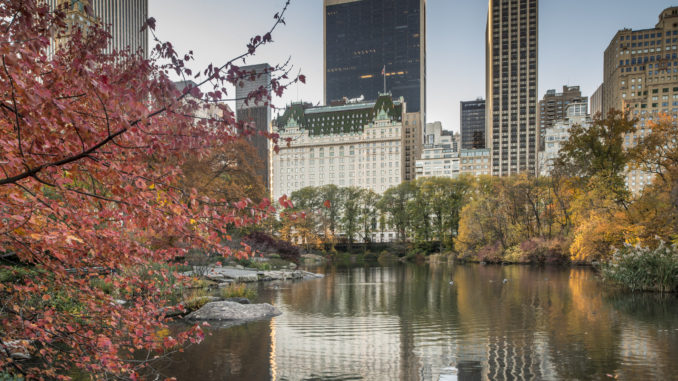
{"type": "Point", "coordinates": [371, 257]}
{"type": "Point", "coordinates": [644, 269]}
{"type": "Point", "coordinates": [261, 266]}
{"type": "Point", "coordinates": [244, 262]}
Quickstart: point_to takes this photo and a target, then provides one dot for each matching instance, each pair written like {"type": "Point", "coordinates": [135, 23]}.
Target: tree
{"type": "Point", "coordinates": [350, 213]}
{"type": "Point", "coordinates": [229, 174]}
{"type": "Point", "coordinates": [598, 151]}
{"type": "Point", "coordinates": [92, 149]}
{"type": "Point", "coordinates": [368, 213]}
{"type": "Point", "coordinates": [656, 211]}
{"type": "Point", "coordinates": [394, 203]}
{"type": "Point", "coordinates": [305, 223]}
{"type": "Point", "coordinates": [446, 198]}
{"type": "Point", "coordinates": [420, 214]}
{"type": "Point", "coordinates": [329, 198]}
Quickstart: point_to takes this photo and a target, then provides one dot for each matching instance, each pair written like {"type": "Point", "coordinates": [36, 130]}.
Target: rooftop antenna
{"type": "Point", "coordinates": [383, 73]}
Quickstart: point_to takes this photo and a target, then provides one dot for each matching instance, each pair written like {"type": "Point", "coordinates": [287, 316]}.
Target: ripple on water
{"type": "Point", "coordinates": [408, 323]}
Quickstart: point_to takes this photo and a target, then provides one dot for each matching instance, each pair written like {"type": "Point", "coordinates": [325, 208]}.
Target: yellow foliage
{"type": "Point", "coordinates": [595, 236]}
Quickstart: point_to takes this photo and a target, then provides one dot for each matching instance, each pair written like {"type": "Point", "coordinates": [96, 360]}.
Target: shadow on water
{"type": "Point", "coordinates": [409, 323]}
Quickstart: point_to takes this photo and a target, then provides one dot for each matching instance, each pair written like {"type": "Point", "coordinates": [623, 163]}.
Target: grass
{"type": "Point", "coordinates": [644, 269]}
{"type": "Point", "coordinates": [237, 291]}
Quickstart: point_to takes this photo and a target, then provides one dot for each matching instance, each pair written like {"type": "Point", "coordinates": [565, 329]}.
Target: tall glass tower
{"type": "Point", "coordinates": [367, 41]}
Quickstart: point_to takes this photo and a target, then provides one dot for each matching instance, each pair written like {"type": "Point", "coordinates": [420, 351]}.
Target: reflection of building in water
{"type": "Point", "coordinates": [305, 343]}
{"type": "Point", "coordinates": [634, 344]}
{"type": "Point", "coordinates": [362, 342]}
{"type": "Point", "coordinates": [516, 359]}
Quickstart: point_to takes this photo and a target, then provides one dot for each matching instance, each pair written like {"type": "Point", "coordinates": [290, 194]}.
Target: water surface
{"type": "Point", "coordinates": [409, 323]}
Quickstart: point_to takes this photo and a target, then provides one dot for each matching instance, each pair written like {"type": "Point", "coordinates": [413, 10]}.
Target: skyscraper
{"type": "Point", "coordinates": [473, 124]}
{"type": "Point", "coordinates": [511, 80]}
{"type": "Point", "coordinates": [641, 76]}
{"type": "Point", "coordinates": [258, 113]}
{"type": "Point", "coordinates": [367, 41]}
{"type": "Point", "coordinates": [123, 18]}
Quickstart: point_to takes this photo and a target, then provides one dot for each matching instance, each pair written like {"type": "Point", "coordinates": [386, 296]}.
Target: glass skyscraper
{"type": "Point", "coordinates": [367, 40]}
{"type": "Point", "coordinates": [473, 124]}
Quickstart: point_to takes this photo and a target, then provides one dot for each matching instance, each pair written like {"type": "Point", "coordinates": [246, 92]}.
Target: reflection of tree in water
{"type": "Point", "coordinates": [225, 354]}
{"type": "Point", "coordinates": [658, 309]}
{"type": "Point", "coordinates": [651, 331]}
{"type": "Point", "coordinates": [584, 340]}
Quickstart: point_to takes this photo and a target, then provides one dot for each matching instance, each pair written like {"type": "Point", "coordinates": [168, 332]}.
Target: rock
{"type": "Point", "coordinates": [293, 266]}
{"type": "Point", "coordinates": [224, 275]}
{"type": "Point", "coordinates": [238, 300]}
{"type": "Point", "coordinates": [232, 311]}
{"type": "Point", "coordinates": [239, 267]}
{"type": "Point", "coordinates": [312, 258]}
{"type": "Point", "coordinates": [18, 349]}
{"type": "Point", "coordinates": [308, 275]}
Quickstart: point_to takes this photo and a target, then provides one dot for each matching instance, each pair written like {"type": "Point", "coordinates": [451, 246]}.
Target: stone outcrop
{"type": "Point", "coordinates": [226, 311]}
{"type": "Point", "coordinates": [228, 274]}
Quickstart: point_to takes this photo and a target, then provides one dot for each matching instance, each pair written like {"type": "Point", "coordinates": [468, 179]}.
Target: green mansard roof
{"type": "Point", "coordinates": [349, 118]}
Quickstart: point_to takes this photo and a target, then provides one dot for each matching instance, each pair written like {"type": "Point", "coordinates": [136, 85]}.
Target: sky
{"type": "Point", "coordinates": [573, 36]}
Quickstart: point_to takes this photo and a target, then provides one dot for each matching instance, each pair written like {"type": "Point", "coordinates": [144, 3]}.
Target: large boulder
{"type": "Point", "coordinates": [226, 311]}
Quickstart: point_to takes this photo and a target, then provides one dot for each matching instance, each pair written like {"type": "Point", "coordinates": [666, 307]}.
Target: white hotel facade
{"type": "Point", "coordinates": [359, 144]}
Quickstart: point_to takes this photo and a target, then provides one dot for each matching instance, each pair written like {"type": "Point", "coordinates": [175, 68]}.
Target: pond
{"type": "Point", "coordinates": [409, 323]}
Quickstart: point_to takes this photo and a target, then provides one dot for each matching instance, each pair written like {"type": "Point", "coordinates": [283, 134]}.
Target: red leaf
{"type": "Point", "coordinates": [150, 23]}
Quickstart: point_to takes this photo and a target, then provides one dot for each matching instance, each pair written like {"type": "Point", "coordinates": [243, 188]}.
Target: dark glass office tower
{"type": "Point", "coordinates": [364, 36]}
{"type": "Point", "coordinates": [473, 124]}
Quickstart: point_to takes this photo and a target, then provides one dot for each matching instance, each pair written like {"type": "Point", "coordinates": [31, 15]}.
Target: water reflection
{"type": "Point", "coordinates": [409, 323]}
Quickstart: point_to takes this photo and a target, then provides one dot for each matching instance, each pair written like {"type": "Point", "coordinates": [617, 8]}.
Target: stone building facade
{"type": "Point", "coordinates": [359, 145]}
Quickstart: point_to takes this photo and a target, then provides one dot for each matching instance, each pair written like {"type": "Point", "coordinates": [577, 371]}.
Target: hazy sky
{"type": "Point", "coordinates": [573, 36]}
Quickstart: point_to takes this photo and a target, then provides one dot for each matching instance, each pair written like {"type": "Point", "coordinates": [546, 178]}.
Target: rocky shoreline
{"type": "Point", "coordinates": [233, 311]}
{"type": "Point", "coordinates": [223, 275]}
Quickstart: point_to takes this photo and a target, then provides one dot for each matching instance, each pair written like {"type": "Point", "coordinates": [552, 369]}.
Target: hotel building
{"type": "Point", "coordinates": [355, 144]}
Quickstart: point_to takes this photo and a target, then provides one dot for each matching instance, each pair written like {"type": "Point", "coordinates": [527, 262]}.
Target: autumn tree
{"type": "Point", "coordinates": [230, 174]}
{"type": "Point", "coordinates": [93, 150]}
{"type": "Point", "coordinates": [598, 151]}
{"type": "Point", "coordinates": [656, 210]}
